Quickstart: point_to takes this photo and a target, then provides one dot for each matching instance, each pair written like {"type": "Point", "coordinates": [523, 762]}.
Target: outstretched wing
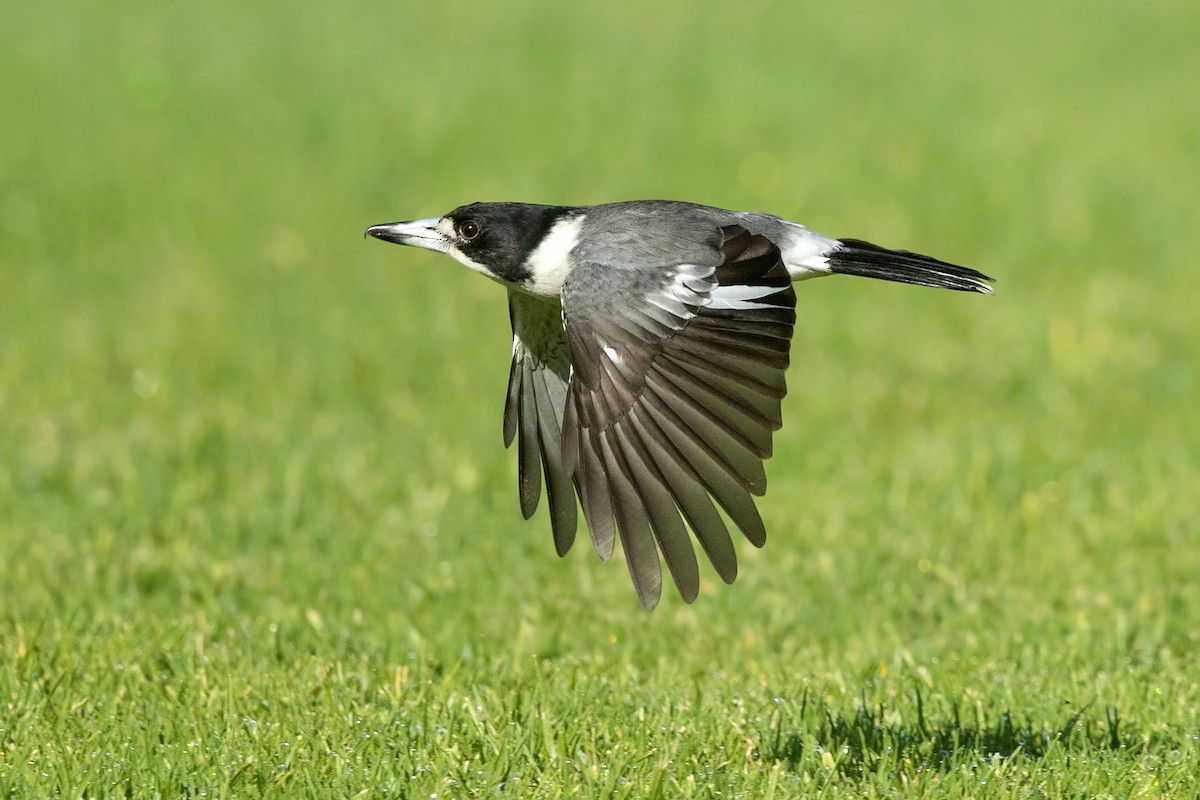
{"type": "Point", "coordinates": [537, 392]}
{"type": "Point", "coordinates": [676, 389]}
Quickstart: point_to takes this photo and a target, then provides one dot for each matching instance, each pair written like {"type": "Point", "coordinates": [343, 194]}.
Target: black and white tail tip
{"type": "Point", "coordinates": [856, 257]}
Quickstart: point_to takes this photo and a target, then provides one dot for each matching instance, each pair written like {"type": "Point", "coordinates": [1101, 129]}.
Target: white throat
{"type": "Point", "coordinates": [548, 265]}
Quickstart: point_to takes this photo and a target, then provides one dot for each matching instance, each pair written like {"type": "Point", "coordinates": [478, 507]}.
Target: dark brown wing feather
{"type": "Point", "coordinates": [672, 403]}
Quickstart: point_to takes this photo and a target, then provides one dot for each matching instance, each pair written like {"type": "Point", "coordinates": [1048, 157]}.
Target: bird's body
{"type": "Point", "coordinates": [650, 342]}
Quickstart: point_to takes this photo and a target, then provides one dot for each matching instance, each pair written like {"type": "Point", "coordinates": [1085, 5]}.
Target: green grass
{"type": "Point", "coordinates": [259, 537]}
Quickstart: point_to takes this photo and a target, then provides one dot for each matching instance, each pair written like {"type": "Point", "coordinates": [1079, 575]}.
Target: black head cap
{"type": "Point", "coordinates": [500, 237]}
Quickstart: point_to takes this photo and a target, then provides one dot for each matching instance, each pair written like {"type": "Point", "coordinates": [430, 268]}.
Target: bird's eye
{"type": "Point", "coordinates": [469, 230]}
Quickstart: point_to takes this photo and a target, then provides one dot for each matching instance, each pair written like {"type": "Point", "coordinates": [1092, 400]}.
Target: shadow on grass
{"type": "Point", "coordinates": [874, 738]}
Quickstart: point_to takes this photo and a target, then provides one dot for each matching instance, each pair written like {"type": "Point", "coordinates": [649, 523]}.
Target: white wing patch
{"type": "Point", "coordinates": [687, 287]}
{"type": "Point", "coordinates": [613, 355]}
{"type": "Point", "coordinates": [737, 298]}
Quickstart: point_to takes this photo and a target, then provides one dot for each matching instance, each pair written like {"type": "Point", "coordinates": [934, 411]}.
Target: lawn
{"type": "Point", "coordinates": [258, 532]}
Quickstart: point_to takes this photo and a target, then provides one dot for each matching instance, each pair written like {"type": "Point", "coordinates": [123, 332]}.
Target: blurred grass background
{"type": "Point", "coordinates": [251, 468]}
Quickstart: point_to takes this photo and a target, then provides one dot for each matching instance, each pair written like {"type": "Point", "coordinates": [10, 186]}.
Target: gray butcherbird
{"type": "Point", "coordinates": [650, 341]}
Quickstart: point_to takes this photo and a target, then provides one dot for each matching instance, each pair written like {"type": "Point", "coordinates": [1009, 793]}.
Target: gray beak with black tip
{"type": "Point", "coordinates": [418, 233]}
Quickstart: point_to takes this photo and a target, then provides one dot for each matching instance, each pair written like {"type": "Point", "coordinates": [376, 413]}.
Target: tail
{"type": "Point", "coordinates": [856, 257]}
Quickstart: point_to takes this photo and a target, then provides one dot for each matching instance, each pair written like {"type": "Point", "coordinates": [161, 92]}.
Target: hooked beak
{"type": "Point", "coordinates": [418, 233]}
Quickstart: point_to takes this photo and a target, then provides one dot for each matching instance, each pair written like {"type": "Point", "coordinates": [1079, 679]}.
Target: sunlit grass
{"type": "Point", "coordinates": [258, 533]}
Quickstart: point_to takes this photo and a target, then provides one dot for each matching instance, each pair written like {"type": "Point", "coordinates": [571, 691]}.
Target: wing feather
{"type": "Point", "coordinates": [676, 391]}
{"type": "Point", "coordinates": [596, 499]}
{"type": "Point", "coordinates": [512, 399]}
{"type": "Point", "coordinates": [661, 510]}
{"type": "Point", "coordinates": [550, 395]}
{"type": "Point", "coordinates": [703, 426]}
{"type": "Point", "coordinates": [715, 477]}
{"type": "Point", "coordinates": [534, 410]}
{"type": "Point", "coordinates": [529, 462]}
{"type": "Point", "coordinates": [634, 528]}
{"type": "Point", "coordinates": [688, 491]}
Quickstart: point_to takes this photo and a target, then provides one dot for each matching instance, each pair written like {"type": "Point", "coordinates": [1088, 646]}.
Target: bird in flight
{"type": "Point", "coordinates": [650, 342]}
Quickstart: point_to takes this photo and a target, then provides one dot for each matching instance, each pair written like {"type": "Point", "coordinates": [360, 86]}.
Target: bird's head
{"type": "Point", "coordinates": [499, 240]}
